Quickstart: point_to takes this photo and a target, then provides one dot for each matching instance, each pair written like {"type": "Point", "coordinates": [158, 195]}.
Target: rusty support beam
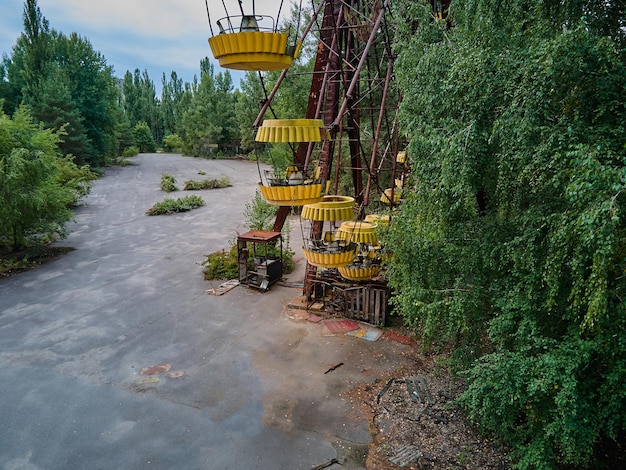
{"type": "Point", "coordinates": [381, 116]}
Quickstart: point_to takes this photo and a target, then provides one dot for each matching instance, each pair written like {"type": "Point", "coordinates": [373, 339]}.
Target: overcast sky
{"type": "Point", "coordinates": [156, 35]}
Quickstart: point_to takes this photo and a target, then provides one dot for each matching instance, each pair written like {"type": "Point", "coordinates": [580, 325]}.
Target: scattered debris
{"type": "Point", "coordinates": [426, 392]}
{"type": "Point", "coordinates": [223, 288]}
{"type": "Point", "coordinates": [333, 327]}
{"type": "Point", "coordinates": [437, 418]}
{"type": "Point", "coordinates": [297, 314]}
{"type": "Point", "coordinates": [314, 318]}
{"type": "Point", "coordinates": [405, 455]}
{"type": "Point", "coordinates": [291, 284]}
{"type": "Point", "coordinates": [418, 391]}
{"type": "Point", "coordinates": [392, 335]}
{"type": "Point", "coordinates": [336, 366]}
{"type": "Point", "coordinates": [326, 464]}
{"type": "Point", "coordinates": [369, 333]}
{"type": "Point", "coordinates": [437, 430]}
{"type": "Point", "coordinates": [155, 369]}
{"type": "Point", "coordinates": [384, 389]}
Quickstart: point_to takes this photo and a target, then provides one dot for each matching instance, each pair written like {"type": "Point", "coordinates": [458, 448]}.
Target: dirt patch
{"type": "Point", "coordinates": [416, 425]}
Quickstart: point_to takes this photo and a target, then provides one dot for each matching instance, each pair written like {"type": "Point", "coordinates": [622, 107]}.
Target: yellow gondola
{"type": "Point", "coordinates": [291, 187]}
{"type": "Point", "coordinates": [251, 42]}
{"type": "Point", "coordinates": [330, 251]}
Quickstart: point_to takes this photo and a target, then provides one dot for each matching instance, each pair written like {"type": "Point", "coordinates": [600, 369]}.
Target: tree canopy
{"type": "Point", "coordinates": [515, 113]}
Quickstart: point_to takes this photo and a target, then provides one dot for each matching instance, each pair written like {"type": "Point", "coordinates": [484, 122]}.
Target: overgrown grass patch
{"type": "Point", "coordinates": [224, 264]}
{"type": "Point", "coordinates": [221, 265]}
{"type": "Point", "coordinates": [168, 183]}
{"type": "Point", "coordinates": [223, 182]}
{"type": "Point", "coordinates": [182, 204]}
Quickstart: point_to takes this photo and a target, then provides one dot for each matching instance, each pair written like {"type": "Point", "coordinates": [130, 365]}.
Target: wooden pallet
{"type": "Point", "coordinates": [223, 288]}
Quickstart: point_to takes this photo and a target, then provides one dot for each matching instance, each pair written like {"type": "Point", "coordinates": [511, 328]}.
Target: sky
{"type": "Point", "coordinates": [154, 35]}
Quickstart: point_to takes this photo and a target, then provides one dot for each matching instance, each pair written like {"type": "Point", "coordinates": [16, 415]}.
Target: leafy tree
{"type": "Point", "coordinates": [210, 119]}
{"type": "Point", "coordinates": [143, 138]}
{"type": "Point", "coordinates": [247, 108]}
{"type": "Point", "coordinates": [140, 102]}
{"type": "Point", "coordinates": [10, 90]}
{"type": "Point", "coordinates": [34, 202]}
{"type": "Point", "coordinates": [175, 99]}
{"type": "Point", "coordinates": [65, 83]}
{"type": "Point", "coordinates": [202, 129]}
{"type": "Point", "coordinates": [37, 48]}
{"type": "Point", "coordinates": [56, 109]}
{"type": "Point", "coordinates": [259, 214]}
{"type": "Point", "coordinates": [94, 90]}
{"type": "Point", "coordinates": [225, 110]}
{"type": "Point", "coordinates": [122, 130]}
{"type": "Point", "coordinates": [173, 143]}
{"type": "Point", "coordinates": [517, 236]}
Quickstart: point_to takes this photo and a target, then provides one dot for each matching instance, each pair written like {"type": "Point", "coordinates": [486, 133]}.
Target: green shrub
{"type": "Point", "coordinates": [168, 183]}
{"type": "Point", "coordinates": [169, 206]}
{"type": "Point", "coordinates": [222, 265]}
{"type": "Point", "coordinates": [78, 179]}
{"type": "Point", "coordinates": [143, 138]}
{"type": "Point", "coordinates": [259, 213]}
{"type": "Point", "coordinates": [130, 152]}
{"type": "Point", "coordinates": [172, 143]}
{"type": "Point", "coordinates": [223, 182]}
{"type": "Point", "coordinates": [37, 188]}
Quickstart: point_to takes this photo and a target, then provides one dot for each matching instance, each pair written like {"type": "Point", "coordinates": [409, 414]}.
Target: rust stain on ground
{"type": "Point", "coordinates": [175, 374]}
{"type": "Point", "coordinates": [155, 369]}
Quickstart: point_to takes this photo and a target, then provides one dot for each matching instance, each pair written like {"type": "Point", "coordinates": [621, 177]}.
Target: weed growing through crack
{"type": "Point", "coordinates": [168, 183]}
{"type": "Point", "coordinates": [223, 182]}
{"type": "Point", "coordinates": [182, 204]}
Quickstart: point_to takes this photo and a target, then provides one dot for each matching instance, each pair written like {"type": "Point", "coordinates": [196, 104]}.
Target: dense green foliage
{"type": "Point", "coordinates": [131, 151]}
{"type": "Point", "coordinates": [259, 213]}
{"type": "Point", "coordinates": [210, 121]}
{"type": "Point", "coordinates": [37, 189]}
{"type": "Point", "coordinates": [222, 265]}
{"type": "Point", "coordinates": [66, 84]}
{"type": "Point", "coordinates": [143, 137]}
{"type": "Point", "coordinates": [173, 143]}
{"type": "Point", "coordinates": [511, 242]}
{"type": "Point", "coordinates": [181, 204]}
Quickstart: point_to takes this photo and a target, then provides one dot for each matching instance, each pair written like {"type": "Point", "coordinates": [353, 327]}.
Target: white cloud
{"type": "Point", "coordinates": [147, 18]}
{"type": "Point", "coordinates": [156, 35]}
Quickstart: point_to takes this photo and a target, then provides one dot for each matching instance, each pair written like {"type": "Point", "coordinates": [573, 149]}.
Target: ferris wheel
{"type": "Point", "coordinates": [348, 131]}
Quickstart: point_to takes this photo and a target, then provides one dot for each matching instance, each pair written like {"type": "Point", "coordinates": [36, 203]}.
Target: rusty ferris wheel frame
{"type": "Point", "coordinates": [352, 92]}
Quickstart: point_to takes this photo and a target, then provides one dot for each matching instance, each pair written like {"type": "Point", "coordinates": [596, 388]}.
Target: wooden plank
{"type": "Point", "coordinates": [376, 306]}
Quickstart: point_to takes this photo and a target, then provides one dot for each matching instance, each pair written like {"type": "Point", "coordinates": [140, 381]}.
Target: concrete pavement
{"type": "Point", "coordinates": [75, 334]}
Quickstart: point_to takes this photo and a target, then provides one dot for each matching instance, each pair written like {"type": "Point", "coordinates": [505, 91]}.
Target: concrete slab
{"type": "Point", "coordinates": [75, 335]}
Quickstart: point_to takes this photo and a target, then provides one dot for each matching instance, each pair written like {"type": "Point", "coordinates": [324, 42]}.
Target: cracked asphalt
{"type": "Point", "coordinates": [250, 390]}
